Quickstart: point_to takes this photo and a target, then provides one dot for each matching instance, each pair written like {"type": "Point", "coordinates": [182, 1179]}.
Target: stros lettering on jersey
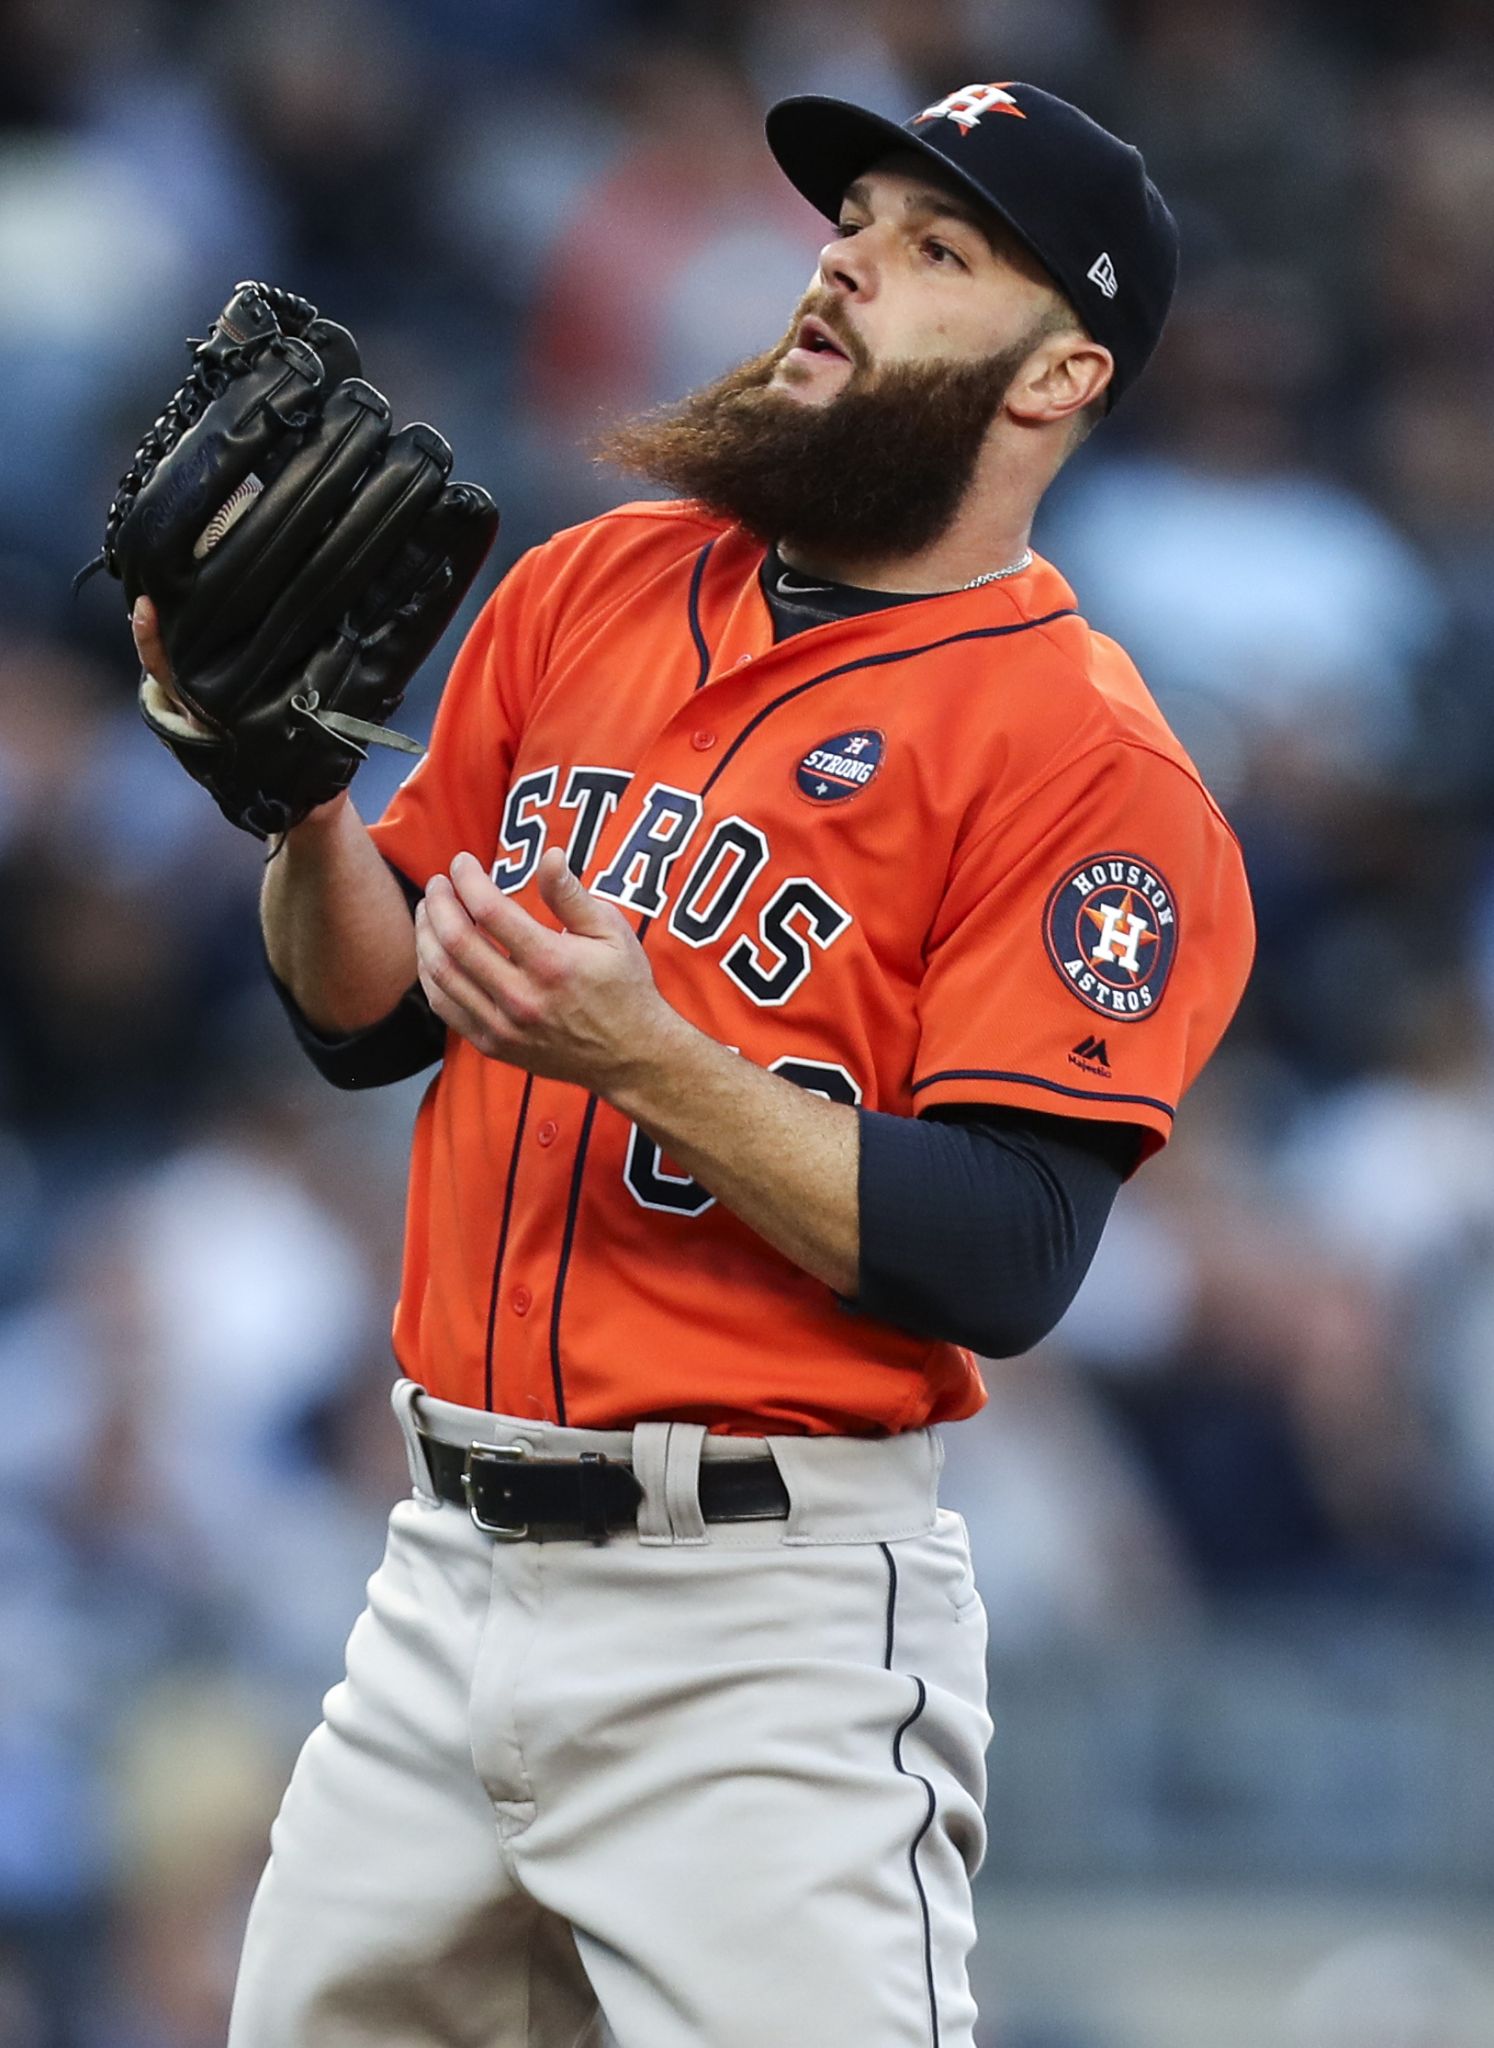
{"type": "Point", "coordinates": [904, 859]}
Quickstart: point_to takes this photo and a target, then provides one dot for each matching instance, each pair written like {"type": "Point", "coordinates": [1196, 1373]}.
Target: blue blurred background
{"type": "Point", "coordinates": [1235, 1522]}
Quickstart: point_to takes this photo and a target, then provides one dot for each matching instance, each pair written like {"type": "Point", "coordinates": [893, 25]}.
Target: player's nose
{"type": "Point", "coordinates": [848, 266]}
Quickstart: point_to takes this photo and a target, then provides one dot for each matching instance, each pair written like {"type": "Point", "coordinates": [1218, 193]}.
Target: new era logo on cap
{"type": "Point", "coordinates": [1102, 273]}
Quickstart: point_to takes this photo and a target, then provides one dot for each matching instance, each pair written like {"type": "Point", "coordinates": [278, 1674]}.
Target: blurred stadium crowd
{"type": "Point", "coordinates": [1274, 1390]}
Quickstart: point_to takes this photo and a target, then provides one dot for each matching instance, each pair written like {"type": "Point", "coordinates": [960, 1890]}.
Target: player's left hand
{"type": "Point", "coordinates": [576, 1005]}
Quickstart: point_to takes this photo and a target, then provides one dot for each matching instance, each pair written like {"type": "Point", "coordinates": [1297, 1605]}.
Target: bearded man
{"type": "Point", "coordinates": [814, 922]}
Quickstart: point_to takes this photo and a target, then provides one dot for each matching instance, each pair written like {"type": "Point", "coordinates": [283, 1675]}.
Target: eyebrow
{"type": "Point", "coordinates": [935, 204]}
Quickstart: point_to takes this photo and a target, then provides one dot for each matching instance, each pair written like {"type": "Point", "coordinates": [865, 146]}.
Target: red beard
{"type": "Point", "coordinates": [879, 470]}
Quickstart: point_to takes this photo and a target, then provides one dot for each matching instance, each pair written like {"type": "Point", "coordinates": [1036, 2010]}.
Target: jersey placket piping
{"type": "Point", "coordinates": [692, 611]}
{"type": "Point", "coordinates": [503, 1229]}
{"type": "Point", "coordinates": [573, 1200]}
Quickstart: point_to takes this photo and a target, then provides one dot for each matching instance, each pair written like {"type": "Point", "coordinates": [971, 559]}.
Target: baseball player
{"type": "Point", "coordinates": [814, 923]}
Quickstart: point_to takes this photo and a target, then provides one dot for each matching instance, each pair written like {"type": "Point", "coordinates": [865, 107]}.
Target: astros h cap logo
{"type": "Point", "coordinates": [1077, 195]}
{"type": "Point", "coordinates": [965, 107]}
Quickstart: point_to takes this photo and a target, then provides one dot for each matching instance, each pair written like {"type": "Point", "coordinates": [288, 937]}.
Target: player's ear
{"type": "Point", "coordinates": [1064, 375]}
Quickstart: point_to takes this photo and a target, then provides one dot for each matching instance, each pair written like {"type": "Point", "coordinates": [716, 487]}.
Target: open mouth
{"type": "Point", "coordinates": [816, 339]}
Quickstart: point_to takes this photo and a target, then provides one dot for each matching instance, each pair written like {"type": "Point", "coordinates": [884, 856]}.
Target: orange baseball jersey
{"type": "Point", "coordinates": [947, 852]}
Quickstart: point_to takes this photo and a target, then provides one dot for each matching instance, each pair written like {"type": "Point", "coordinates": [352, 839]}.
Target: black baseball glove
{"type": "Point", "coordinates": [302, 558]}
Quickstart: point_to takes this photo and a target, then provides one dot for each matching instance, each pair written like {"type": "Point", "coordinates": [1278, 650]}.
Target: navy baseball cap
{"type": "Point", "coordinates": [1077, 195]}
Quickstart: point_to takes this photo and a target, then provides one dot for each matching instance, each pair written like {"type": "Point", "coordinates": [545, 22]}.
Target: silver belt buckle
{"type": "Point", "coordinates": [498, 1454]}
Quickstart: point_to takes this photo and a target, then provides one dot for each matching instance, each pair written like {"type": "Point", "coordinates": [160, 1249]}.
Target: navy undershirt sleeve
{"type": "Point", "coordinates": [412, 1036]}
{"type": "Point", "coordinates": [409, 1038]}
{"type": "Point", "coordinates": [977, 1225]}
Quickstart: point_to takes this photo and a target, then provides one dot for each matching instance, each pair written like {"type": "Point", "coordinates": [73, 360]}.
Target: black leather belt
{"type": "Point", "coordinates": [512, 1495]}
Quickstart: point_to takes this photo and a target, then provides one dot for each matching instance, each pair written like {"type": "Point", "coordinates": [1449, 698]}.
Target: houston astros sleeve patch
{"type": "Point", "coordinates": [1088, 956]}
{"type": "Point", "coordinates": [1111, 929]}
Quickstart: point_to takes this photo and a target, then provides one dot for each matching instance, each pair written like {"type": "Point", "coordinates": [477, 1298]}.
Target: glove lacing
{"type": "Point", "coordinates": [206, 380]}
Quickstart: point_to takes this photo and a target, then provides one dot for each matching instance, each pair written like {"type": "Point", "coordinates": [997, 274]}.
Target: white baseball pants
{"type": "Point", "coordinates": [701, 1786]}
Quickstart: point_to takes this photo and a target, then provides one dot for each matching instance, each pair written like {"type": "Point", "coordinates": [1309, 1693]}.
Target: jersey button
{"type": "Point", "coordinates": [521, 1301]}
{"type": "Point", "coordinates": [548, 1132]}
{"type": "Point", "coordinates": [741, 661]}
{"type": "Point", "coordinates": [702, 740]}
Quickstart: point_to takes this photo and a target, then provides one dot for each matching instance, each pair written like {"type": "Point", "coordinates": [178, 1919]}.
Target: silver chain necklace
{"type": "Point", "coordinates": [1023, 561]}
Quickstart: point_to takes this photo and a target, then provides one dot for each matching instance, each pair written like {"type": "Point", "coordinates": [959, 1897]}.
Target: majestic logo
{"type": "Point", "coordinates": [840, 767]}
{"type": "Point", "coordinates": [1102, 273]}
{"type": "Point", "coordinates": [1093, 1055]}
{"type": "Point", "coordinates": [1111, 929]}
{"type": "Point", "coordinates": [966, 106]}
